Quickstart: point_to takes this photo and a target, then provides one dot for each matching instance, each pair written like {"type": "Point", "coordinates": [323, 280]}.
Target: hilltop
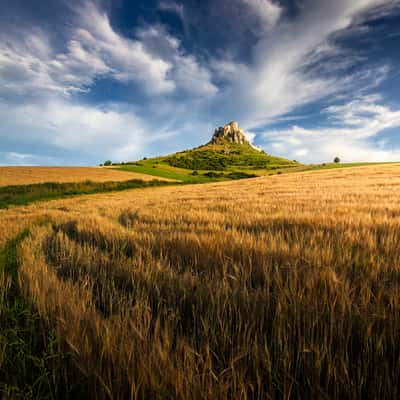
{"type": "Point", "coordinates": [228, 155]}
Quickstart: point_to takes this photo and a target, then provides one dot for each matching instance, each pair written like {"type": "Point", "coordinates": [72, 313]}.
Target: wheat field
{"type": "Point", "coordinates": [31, 175]}
{"type": "Point", "coordinates": [277, 287]}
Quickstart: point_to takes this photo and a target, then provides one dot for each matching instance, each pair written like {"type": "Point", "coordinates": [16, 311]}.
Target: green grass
{"type": "Point", "coordinates": [162, 171]}
{"type": "Point", "coordinates": [340, 165]}
{"type": "Point", "coordinates": [222, 161]}
{"type": "Point", "coordinates": [225, 156]}
{"type": "Point", "coordinates": [158, 167]}
{"type": "Point", "coordinates": [25, 194]}
{"type": "Point", "coordinates": [32, 364]}
{"type": "Point", "coordinates": [210, 163]}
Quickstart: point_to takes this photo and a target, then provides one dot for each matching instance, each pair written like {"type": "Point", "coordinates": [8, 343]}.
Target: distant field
{"type": "Point", "coordinates": [276, 287]}
{"type": "Point", "coordinates": [157, 167]}
{"type": "Point", "coordinates": [30, 175]}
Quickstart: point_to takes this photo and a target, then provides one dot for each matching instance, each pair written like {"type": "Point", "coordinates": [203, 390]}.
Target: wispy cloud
{"type": "Point", "coordinates": [267, 11]}
{"type": "Point", "coordinates": [17, 159]}
{"type": "Point", "coordinates": [82, 129]}
{"type": "Point", "coordinates": [186, 72]}
{"type": "Point", "coordinates": [352, 134]}
{"type": "Point", "coordinates": [172, 6]}
{"type": "Point", "coordinates": [153, 59]}
{"type": "Point", "coordinates": [296, 63]}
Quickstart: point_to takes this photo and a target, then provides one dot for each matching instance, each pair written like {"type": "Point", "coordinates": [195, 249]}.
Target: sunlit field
{"type": "Point", "coordinates": [277, 287]}
{"type": "Point", "coordinates": [31, 175]}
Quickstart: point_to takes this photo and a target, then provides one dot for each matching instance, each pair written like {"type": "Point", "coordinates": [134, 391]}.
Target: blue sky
{"type": "Point", "coordinates": [85, 81]}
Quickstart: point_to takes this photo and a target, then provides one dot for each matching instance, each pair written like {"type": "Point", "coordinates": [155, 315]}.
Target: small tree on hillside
{"type": "Point", "coordinates": [107, 163]}
{"type": "Point", "coordinates": [336, 160]}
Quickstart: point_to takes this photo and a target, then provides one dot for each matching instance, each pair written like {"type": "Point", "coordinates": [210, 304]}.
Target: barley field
{"type": "Point", "coordinates": [31, 175]}
{"type": "Point", "coordinates": [280, 287]}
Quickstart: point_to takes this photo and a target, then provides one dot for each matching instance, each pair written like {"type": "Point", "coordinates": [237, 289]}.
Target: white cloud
{"type": "Point", "coordinates": [154, 59]}
{"type": "Point", "coordinates": [17, 159]}
{"type": "Point", "coordinates": [268, 11]}
{"type": "Point", "coordinates": [128, 59]}
{"type": "Point", "coordinates": [278, 78]}
{"type": "Point", "coordinates": [355, 125]}
{"type": "Point", "coordinates": [57, 131]}
{"type": "Point", "coordinates": [36, 82]}
{"type": "Point", "coordinates": [83, 129]}
{"type": "Point", "coordinates": [186, 72]}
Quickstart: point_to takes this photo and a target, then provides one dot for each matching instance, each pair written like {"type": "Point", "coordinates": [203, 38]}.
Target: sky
{"type": "Point", "coordinates": [83, 81]}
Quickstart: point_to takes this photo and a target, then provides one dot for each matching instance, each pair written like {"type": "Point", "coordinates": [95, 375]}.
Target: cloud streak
{"type": "Point", "coordinates": [280, 78]}
{"type": "Point", "coordinates": [353, 134]}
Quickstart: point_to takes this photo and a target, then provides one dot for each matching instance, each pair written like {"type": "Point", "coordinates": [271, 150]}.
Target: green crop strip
{"type": "Point", "coordinates": [25, 194]}
{"type": "Point", "coordinates": [32, 363]}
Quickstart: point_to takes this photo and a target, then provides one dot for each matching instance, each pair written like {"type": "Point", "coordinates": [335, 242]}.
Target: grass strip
{"type": "Point", "coordinates": [25, 194]}
{"type": "Point", "coordinates": [31, 362]}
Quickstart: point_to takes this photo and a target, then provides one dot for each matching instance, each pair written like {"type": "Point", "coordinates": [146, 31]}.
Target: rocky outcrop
{"type": "Point", "coordinates": [231, 132]}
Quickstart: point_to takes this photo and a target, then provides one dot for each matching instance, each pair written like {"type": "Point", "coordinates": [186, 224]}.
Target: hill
{"type": "Point", "coordinates": [228, 155]}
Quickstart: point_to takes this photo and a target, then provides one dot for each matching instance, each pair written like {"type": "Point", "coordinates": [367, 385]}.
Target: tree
{"type": "Point", "coordinates": [107, 163]}
{"type": "Point", "coordinates": [336, 160]}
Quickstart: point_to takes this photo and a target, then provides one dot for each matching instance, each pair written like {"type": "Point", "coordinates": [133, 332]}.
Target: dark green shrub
{"type": "Point", "coordinates": [240, 175]}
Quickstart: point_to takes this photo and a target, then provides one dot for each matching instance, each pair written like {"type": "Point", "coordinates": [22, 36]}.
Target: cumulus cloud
{"type": "Point", "coordinates": [37, 81]}
{"type": "Point", "coordinates": [23, 69]}
{"type": "Point", "coordinates": [153, 59]}
{"type": "Point", "coordinates": [81, 129]}
{"type": "Point", "coordinates": [353, 134]}
{"type": "Point", "coordinates": [128, 59]}
{"type": "Point", "coordinates": [187, 73]}
{"type": "Point", "coordinates": [59, 131]}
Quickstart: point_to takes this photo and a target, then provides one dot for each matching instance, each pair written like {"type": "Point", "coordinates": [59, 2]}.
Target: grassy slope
{"type": "Point", "coordinates": [224, 160]}
{"type": "Point", "coordinates": [158, 167]}
{"type": "Point", "coordinates": [226, 156]}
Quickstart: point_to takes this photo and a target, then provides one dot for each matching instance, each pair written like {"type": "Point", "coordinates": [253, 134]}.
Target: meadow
{"type": "Point", "coordinates": [276, 287]}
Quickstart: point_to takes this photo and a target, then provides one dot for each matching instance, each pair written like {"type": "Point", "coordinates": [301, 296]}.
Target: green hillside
{"type": "Point", "coordinates": [212, 162]}
{"type": "Point", "coordinates": [225, 156]}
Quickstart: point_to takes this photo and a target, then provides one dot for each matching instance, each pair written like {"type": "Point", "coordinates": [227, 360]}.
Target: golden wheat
{"type": "Point", "coordinates": [30, 175]}
{"type": "Point", "coordinates": [275, 287]}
